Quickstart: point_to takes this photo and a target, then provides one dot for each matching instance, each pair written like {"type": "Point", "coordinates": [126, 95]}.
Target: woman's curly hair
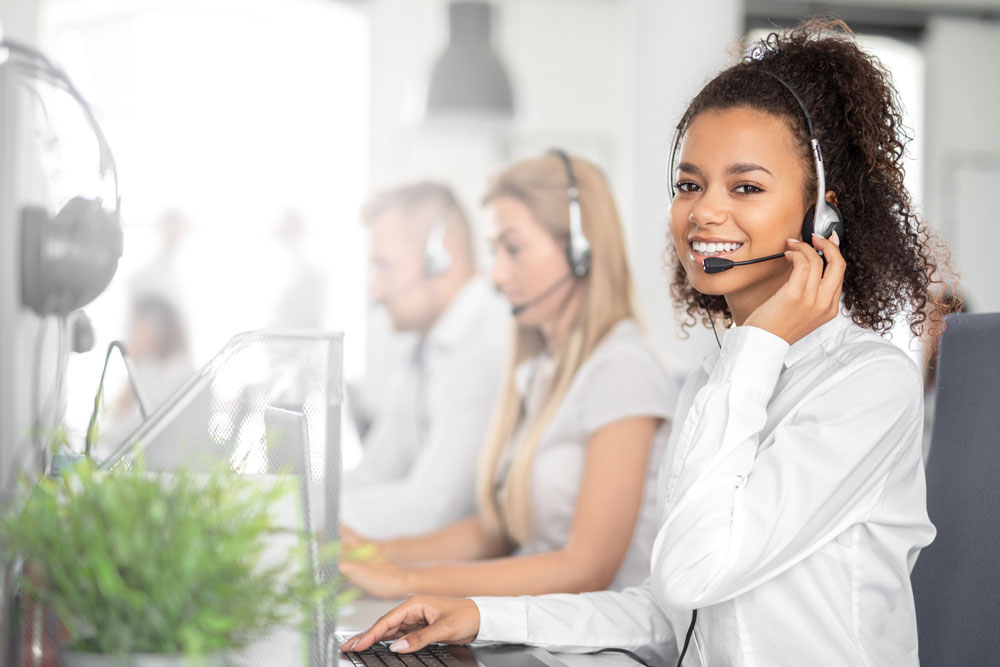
{"type": "Point", "coordinates": [892, 259]}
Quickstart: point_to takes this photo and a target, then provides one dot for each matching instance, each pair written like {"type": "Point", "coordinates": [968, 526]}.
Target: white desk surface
{"type": "Point", "coordinates": [362, 613]}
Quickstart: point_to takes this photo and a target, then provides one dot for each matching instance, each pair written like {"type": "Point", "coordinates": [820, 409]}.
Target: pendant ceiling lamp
{"type": "Point", "coordinates": [468, 79]}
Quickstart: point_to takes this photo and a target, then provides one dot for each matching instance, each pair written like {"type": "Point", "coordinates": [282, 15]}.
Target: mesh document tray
{"type": "Point", "coordinates": [268, 403]}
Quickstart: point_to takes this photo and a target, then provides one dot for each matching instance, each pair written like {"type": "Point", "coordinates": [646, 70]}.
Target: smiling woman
{"type": "Point", "coordinates": [864, 175]}
{"type": "Point", "coordinates": [739, 210]}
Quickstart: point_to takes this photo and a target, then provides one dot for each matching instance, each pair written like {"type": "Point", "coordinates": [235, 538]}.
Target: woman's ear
{"type": "Point", "coordinates": [831, 197]}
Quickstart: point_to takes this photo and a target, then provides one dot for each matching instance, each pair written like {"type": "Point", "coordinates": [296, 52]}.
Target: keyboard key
{"type": "Point", "coordinates": [410, 660]}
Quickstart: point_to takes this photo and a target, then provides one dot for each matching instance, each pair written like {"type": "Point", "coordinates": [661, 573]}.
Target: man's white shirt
{"type": "Point", "coordinates": [420, 460]}
{"type": "Point", "coordinates": [792, 511]}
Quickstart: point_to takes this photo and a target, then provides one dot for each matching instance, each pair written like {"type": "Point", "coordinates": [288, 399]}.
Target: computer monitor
{"type": "Point", "coordinates": [268, 403]}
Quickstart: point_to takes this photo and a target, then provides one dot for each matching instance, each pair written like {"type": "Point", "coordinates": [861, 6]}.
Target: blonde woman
{"type": "Point", "coordinates": [566, 490]}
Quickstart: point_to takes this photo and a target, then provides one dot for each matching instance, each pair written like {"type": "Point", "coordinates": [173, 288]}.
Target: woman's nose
{"type": "Point", "coordinates": [500, 273]}
{"type": "Point", "coordinates": [709, 209]}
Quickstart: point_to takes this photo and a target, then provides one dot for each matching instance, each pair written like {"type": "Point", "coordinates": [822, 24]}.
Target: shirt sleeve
{"type": "Point", "coordinates": [582, 623]}
{"type": "Point", "coordinates": [439, 488]}
{"type": "Point", "coordinates": [625, 379]}
{"type": "Point", "coordinates": [738, 514]}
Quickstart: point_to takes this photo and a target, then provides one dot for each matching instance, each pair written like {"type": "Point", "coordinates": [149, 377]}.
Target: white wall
{"type": "Point", "coordinates": [963, 148]}
{"type": "Point", "coordinates": [19, 21]}
{"type": "Point", "coordinates": [675, 48]}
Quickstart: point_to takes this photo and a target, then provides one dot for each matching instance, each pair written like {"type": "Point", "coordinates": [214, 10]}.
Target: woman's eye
{"type": "Point", "coordinates": [512, 250]}
{"type": "Point", "coordinates": [747, 189]}
{"type": "Point", "coordinates": [685, 186]}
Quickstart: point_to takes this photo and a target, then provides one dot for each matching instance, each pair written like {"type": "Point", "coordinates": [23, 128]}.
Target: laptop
{"type": "Point", "coordinates": [438, 655]}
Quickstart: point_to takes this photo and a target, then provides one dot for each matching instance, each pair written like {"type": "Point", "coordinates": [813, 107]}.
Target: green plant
{"type": "Point", "coordinates": [132, 562]}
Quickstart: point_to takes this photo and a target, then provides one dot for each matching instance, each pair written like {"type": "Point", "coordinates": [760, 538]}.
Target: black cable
{"type": "Point", "coordinates": [703, 302]}
{"type": "Point", "coordinates": [687, 639]}
{"type": "Point", "coordinates": [36, 442]}
{"type": "Point", "coordinates": [624, 651]}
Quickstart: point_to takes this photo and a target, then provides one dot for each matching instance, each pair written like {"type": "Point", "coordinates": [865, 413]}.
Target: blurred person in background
{"type": "Point", "coordinates": [954, 303]}
{"type": "Point", "coordinates": [565, 488]}
{"type": "Point", "coordinates": [417, 473]}
{"type": "Point", "coordinates": [300, 301]}
{"type": "Point", "coordinates": [161, 276]}
{"type": "Point", "coordinates": [157, 344]}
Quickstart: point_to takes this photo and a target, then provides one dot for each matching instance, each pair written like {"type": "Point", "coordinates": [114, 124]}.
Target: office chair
{"type": "Point", "coordinates": [956, 580]}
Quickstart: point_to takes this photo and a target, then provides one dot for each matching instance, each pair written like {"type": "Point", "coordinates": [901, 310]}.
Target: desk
{"type": "Point", "coordinates": [361, 613]}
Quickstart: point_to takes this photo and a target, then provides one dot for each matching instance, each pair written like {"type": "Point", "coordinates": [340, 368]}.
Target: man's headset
{"type": "Point", "coordinates": [437, 259]}
{"type": "Point", "coordinates": [823, 218]}
{"type": "Point", "coordinates": [578, 253]}
{"type": "Point", "coordinates": [67, 259]}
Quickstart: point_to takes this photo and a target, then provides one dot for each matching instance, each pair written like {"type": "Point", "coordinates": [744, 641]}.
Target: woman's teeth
{"type": "Point", "coordinates": [703, 248]}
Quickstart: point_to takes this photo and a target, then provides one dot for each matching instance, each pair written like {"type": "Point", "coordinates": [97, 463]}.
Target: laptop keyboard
{"type": "Point", "coordinates": [379, 655]}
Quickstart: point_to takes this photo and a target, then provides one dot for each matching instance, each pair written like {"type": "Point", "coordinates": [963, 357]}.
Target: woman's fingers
{"type": "Point", "coordinates": [796, 283]}
{"type": "Point", "coordinates": [379, 578]}
{"type": "Point", "coordinates": [386, 627]}
{"type": "Point", "coordinates": [457, 622]}
{"type": "Point", "coordinates": [833, 277]}
{"type": "Point", "coordinates": [425, 620]}
{"type": "Point", "coordinates": [815, 271]}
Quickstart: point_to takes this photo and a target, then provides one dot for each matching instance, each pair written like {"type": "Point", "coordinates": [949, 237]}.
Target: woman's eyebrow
{"type": "Point", "coordinates": [744, 167]}
{"type": "Point", "coordinates": [738, 168]}
{"type": "Point", "coordinates": [504, 236]}
{"type": "Point", "coordinates": [689, 168]}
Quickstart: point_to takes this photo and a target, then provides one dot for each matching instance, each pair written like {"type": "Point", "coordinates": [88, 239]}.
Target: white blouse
{"type": "Point", "coordinates": [793, 510]}
{"type": "Point", "coordinates": [621, 378]}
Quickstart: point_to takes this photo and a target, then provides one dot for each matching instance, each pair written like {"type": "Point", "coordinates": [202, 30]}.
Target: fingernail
{"type": "Point", "coordinates": [349, 644]}
{"type": "Point", "coordinates": [836, 239]}
{"type": "Point", "coordinates": [794, 241]}
{"type": "Point", "coordinates": [399, 645]}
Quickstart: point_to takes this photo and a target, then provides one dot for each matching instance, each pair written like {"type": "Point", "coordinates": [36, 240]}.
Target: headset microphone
{"type": "Point", "coordinates": [720, 264]}
{"type": "Point", "coordinates": [547, 292]}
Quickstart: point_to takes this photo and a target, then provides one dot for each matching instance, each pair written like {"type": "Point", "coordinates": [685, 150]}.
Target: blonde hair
{"type": "Point", "coordinates": [607, 297]}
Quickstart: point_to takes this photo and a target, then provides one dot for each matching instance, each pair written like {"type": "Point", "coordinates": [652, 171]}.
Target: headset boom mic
{"type": "Point", "coordinates": [718, 264]}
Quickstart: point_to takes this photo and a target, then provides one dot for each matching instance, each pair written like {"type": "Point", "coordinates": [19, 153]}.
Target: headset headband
{"type": "Point", "coordinates": [39, 64]}
{"type": "Point", "coordinates": [579, 246]}
{"type": "Point", "coordinates": [813, 145]}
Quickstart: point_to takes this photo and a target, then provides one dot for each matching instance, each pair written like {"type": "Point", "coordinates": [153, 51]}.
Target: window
{"type": "Point", "coordinates": [240, 129]}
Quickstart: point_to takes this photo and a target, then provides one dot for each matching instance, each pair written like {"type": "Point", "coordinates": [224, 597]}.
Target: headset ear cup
{"type": "Point", "coordinates": [70, 259]}
{"type": "Point", "coordinates": [436, 262]}
{"type": "Point", "coordinates": [807, 224]}
{"type": "Point", "coordinates": [34, 225]}
{"type": "Point", "coordinates": [581, 264]}
{"type": "Point", "coordinates": [830, 219]}
{"type": "Point", "coordinates": [838, 224]}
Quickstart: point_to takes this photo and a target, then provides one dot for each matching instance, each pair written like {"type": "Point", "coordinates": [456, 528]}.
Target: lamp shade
{"type": "Point", "coordinates": [468, 78]}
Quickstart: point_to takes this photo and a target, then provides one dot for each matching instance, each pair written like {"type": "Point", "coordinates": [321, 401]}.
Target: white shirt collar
{"type": "Point", "coordinates": [455, 325]}
{"type": "Point", "coordinates": [821, 336]}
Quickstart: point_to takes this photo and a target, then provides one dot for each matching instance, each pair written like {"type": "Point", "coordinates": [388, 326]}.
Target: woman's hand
{"type": "Point", "coordinates": [810, 298]}
{"type": "Point", "coordinates": [350, 539]}
{"type": "Point", "coordinates": [420, 621]}
{"type": "Point", "coordinates": [379, 577]}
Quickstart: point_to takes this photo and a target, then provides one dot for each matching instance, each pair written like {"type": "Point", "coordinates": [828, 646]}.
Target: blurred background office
{"type": "Point", "coordinates": [249, 132]}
